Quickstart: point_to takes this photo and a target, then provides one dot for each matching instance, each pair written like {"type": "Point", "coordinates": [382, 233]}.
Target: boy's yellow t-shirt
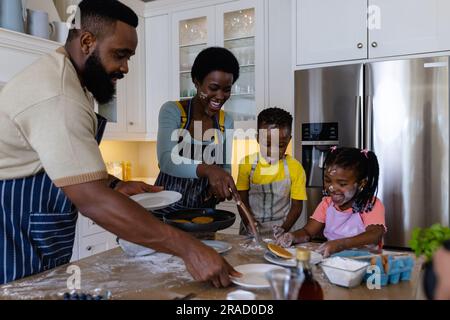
{"type": "Point", "coordinates": [266, 173]}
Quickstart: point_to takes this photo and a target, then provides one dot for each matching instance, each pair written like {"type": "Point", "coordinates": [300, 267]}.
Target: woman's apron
{"type": "Point", "coordinates": [270, 203]}
{"type": "Point", "coordinates": [194, 190]}
{"type": "Point", "coordinates": [37, 224]}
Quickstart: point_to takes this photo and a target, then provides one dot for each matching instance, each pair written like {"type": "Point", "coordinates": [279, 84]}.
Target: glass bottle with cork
{"type": "Point", "coordinates": [310, 289]}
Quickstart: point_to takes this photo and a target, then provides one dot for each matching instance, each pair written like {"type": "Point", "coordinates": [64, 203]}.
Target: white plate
{"type": "Point", "coordinates": [253, 275]}
{"type": "Point", "coordinates": [134, 250]}
{"type": "Point", "coordinates": [156, 200]}
{"type": "Point", "coordinates": [219, 246]}
{"type": "Point", "coordinates": [271, 257]}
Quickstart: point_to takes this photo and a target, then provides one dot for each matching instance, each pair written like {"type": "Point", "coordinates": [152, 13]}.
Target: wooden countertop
{"type": "Point", "coordinates": [161, 276]}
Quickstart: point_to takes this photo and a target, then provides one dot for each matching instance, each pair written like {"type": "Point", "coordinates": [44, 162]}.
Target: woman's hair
{"type": "Point", "coordinates": [214, 59]}
{"type": "Point", "coordinates": [365, 166]}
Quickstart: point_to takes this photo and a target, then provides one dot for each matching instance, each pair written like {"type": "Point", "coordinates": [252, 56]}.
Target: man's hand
{"type": "Point", "coordinates": [130, 188]}
{"type": "Point", "coordinates": [204, 264]}
{"type": "Point", "coordinates": [330, 247]}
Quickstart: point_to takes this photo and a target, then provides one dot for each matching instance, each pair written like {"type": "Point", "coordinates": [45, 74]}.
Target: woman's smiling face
{"type": "Point", "coordinates": [214, 91]}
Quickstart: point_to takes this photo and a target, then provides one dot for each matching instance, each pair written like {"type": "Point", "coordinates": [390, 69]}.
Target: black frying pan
{"type": "Point", "coordinates": [222, 219]}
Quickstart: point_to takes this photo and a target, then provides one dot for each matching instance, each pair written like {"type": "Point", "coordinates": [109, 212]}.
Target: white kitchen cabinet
{"type": "Point", "coordinates": [126, 113]}
{"type": "Point", "coordinates": [192, 31]}
{"type": "Point", "coordinates": [156, 39]}
{"type": "Point", "coordinates": [331, 30]}
{"type": "Point", "coordinates": [91, 239]}
{"type": "Point", "coordinates": [97, 243]}
{"type": "Point", "coordinates": [239, 28]}
{"type": "Point", "coordinates": [19, 50]}
{"type": "Point", "coordinates": [339, 30]}
{"type": "Point", "coordinates": [409, 27]}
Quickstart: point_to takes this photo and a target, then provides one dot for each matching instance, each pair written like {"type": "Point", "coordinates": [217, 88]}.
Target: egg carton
{"type": "Point", "coordinates": [393, 268]}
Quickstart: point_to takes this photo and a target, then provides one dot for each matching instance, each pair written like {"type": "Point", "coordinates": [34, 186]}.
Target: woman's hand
{"type": "Point", "coordinates": [130, 188]}
{"type": "Point", "coordinates": [220, 181]}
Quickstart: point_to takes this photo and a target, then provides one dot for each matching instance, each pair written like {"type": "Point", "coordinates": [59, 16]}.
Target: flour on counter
{"type": "Point", "coordinates": [119, 274]}
{"type": "Point", "coordinates": [160, 263]}
{"type": "Point", "coordinates": [251, 246]}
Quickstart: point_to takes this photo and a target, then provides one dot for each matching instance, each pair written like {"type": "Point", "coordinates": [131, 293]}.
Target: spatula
{"type": "Point", "coordinates": [251, 220]}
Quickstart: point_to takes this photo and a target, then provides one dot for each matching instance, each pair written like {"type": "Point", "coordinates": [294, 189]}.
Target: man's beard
{"type": "Point", "coordinates": [98, 81]}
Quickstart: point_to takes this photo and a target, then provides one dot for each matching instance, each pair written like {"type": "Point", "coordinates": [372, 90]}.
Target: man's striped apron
{"type": "Point", "coordinates": [37, 224]}
{"type": "Point", "coordinates": [194, 190]}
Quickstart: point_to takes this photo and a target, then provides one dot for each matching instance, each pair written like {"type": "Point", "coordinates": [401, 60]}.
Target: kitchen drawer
{"type": "Point", "coordinates": [97, 243]}
{"type": "Point", "coordinates": [89, 227]}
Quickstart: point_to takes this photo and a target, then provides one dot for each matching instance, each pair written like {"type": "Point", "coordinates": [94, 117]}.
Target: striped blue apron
{"type": "Point", "coordinates": [194, 190]}
{"type": "Point", "coordinates": [37, 224]}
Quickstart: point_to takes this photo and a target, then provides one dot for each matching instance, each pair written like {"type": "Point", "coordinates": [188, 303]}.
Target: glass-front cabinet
{"type": "Point", "coordinates": [114, 111]}
{"type": "Point", "coordinates": [237, 27]}
{"type": "Point", "coordinates": [234, 26]}
{"type": "Point", "coordinates": [193, 39]}
{"type": "Point", "coordinates": [193, 31]}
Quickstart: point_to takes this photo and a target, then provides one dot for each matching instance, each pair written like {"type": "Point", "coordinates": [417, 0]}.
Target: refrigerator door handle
{"type": "Point", "coordinates": [368, 123]}
{"type": "Point", "coordinates": [358, 124]}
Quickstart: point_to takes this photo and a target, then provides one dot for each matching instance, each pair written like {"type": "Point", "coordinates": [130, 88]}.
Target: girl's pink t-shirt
{"type": "Point", "coordinates": [374, 217]}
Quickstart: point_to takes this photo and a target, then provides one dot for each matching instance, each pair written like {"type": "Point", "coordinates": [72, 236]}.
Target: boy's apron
{"type": "Point", "coordinates": [270, 203]}
{"type": "Point", "coordinates": [37, 224]}
{"type": "Point", "coordinates": [194, 190]}
{"type": "Point", "coordinates": [340, 225]}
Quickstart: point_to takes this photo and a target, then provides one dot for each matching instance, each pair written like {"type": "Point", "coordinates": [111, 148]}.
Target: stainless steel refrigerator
{"type": "Point", "coordinates": [399, 110]}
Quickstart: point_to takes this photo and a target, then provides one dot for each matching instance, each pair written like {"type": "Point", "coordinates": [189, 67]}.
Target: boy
{"type": "Point", "coordinates": [270, 183]}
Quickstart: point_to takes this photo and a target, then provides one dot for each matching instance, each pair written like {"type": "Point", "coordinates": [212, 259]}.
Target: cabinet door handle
{"type": "Point", "coordinates": [360, 45]}
{"type": "Point", "coordinates": [89, 248]}
{"type": "Point", "coordinates": [131, 123]}
{"type": "Point", "coordinates": [374, 44]}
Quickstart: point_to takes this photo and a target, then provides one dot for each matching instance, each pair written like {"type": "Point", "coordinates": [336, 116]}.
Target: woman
{"type": "Point", "coordinates": [193, 152]}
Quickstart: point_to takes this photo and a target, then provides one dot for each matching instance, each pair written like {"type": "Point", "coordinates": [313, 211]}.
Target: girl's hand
{"type": "Point", "coordinates": [330, 247]}
{"type": "Point", "coordinates": [285, 240]}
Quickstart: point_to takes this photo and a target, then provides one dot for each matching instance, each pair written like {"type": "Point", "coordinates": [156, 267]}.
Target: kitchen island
{"type": "Point", "coordinates": [162, 276]}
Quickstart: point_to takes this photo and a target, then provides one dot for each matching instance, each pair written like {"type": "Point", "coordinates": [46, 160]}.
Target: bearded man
{"type": "Point", "coordinates": [50, 163]}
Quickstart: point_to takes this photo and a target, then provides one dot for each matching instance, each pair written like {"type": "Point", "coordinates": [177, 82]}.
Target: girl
{"type": "Point", "coordinates": [350, 214]}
